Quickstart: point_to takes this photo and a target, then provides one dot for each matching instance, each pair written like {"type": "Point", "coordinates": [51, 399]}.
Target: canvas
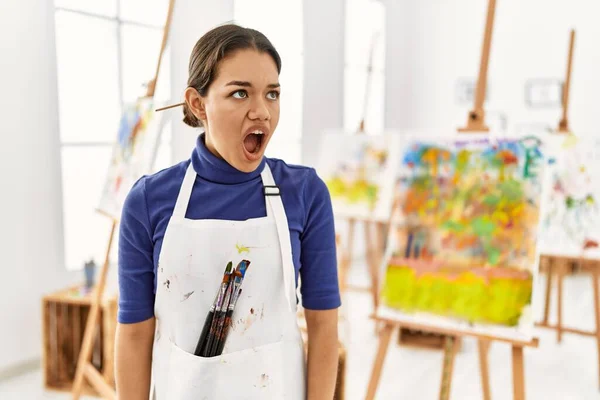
{"type": "Point", "coordinates": [133, 154]}
{"type": "Point", "coordinates": [359, 171]}
{"type": "Point", "coordinates": [571, 218]}
{"type": "Point", "coordinates": [464, 254]}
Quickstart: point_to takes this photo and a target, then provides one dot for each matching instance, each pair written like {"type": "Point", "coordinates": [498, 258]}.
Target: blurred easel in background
{"type": "Point", "coordinates": [373, 229]}
{"type": "Point", "coordinates": [561, 266]}
{"type": "Point", "coordinates": [85, 370]}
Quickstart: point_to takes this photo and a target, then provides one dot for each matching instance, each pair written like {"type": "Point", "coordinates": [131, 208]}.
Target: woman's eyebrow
{"type": "Point", "coordinates": [248, 84]}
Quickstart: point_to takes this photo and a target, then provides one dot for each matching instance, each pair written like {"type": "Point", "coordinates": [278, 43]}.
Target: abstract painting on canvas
{"type": "Point", "coordinates": [464, 254]}
{"type": "Point", "coordinates": [133, 154]}
{"type": "Point", "coordinates": [359, 171]}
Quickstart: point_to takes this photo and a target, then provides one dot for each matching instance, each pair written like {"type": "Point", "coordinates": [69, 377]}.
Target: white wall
{"type": "Point", "coordinates": [31, 241]}
{"type": "Point", "coordinates": [432, 43]}
{"type": "Point", "coordinates": [323, 105]}
{"type": "Point", "coordinates": [191, 19]}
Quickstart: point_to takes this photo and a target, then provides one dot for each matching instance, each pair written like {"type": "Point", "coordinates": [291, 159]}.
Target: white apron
{"type": "Point", "coordinates": [263, 356]}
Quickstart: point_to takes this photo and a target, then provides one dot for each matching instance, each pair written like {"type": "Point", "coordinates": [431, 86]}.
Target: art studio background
{"type": "Point", "coordinates": [69, 68]}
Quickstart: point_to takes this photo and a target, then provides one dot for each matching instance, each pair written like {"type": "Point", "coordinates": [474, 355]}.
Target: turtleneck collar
{"type": "Point", "coordinates": [214, 169]}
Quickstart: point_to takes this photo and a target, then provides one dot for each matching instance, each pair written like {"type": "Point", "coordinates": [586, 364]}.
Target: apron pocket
{"type": "Point", "coordinates": [272, 371]}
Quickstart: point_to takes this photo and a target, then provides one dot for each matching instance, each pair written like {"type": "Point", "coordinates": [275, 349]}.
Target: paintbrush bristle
{"type": "Point", "coordinates": [242, 267]}
{"type": "Point", "coordinates": [227, 273]}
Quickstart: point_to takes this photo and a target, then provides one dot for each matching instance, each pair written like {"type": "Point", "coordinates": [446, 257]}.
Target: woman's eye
{"type": "Point", "coordinates": [274, 95]}
{"type": "Point", "coordinates": [240, 94]}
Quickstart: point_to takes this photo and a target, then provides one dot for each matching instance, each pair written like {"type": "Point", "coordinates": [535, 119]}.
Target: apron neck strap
{"type": "Point", "coordinates": [275, 208]}
{"type": "Point", "coordinates": [185, 192]}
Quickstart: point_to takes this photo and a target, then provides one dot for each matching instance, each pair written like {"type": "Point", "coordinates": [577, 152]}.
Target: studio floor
{"type": "Point", "coordinates": [566, 371]}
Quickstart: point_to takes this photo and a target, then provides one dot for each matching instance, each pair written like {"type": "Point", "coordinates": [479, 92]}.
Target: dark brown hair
{"type": "Point", "coordinates": [211, 48]}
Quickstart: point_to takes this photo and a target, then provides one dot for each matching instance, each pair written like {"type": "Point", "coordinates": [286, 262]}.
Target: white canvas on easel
{"type": "Point", "coordinates": [571, 219]}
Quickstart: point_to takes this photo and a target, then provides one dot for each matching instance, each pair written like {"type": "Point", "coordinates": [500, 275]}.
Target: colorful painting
{"type": "Point", "coordinates": [464, 256]}
{"type": "Point", "coordinates": [359, 171]}
{"type": "Point", "coordinates": [133, 154]}
{"type": "Point", "coordinates": [571, 216]}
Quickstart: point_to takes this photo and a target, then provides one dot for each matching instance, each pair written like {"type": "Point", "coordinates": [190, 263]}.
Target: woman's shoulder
{"type": "Point", "coordinates": [173, 173]}
{"type": "Point", "coordinates": [285, 173]}
{"type": "Point", "coordinates": [157, 183]}
{"type": "Point", "coordinates": [305, 180]}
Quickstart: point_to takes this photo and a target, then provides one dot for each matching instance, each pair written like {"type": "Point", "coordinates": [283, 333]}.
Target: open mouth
{"type": "Point", "coordinates": [253, 142]}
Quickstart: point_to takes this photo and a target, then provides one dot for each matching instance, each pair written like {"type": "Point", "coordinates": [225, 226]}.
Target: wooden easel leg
{"type": "Point", "coordinates": [548, 290]}
{"type": "Point", "coordinates": [377, 260]}
{"type": "Point", "coordinates": [450, 349]}
{"type": "Point", "coordinates": [560, 276]}
{"type": "Point", "coordinates": [372, 252]}
{"type": "Point", "coordinates": [518, 373]}
{"type": "Point", "coordinates": [371, 255]}
{"type": "Point", "coordinates": [597, 312]}
{"type": "Point", "coordinates": [85, 354]}
{"type": "Point", "coordinates": [108, 344]}
{"type": "Point", "coordinates": [384, 341]}
{"type": "Point", "coordinates": [484, 347]}
{"type": "Point", "coordinates": [86, 350]}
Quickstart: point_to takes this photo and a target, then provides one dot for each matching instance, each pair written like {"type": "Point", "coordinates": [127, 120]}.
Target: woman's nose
{"type": "Point", "coordinates": [259, 110]}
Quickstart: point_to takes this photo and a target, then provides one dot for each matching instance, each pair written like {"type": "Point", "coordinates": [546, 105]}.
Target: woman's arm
{"type": "Point", "coordinates": [133, 359]}
{"type": "Point", "coordinates": [135, 331]}
{"type": "Point", "coordinates": [319, 288]}
{"type": "Point", "coordinates": [322, 326]}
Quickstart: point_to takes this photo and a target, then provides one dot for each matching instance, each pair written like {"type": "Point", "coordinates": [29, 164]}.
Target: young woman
{"type": "Point", "coordinates": [181, 226]}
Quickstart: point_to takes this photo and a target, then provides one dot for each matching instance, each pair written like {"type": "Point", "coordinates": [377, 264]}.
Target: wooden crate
{"type": "Point", "coordinates": [64, 317]}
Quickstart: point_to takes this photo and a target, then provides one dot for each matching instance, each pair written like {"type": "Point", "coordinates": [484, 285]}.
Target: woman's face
{"type": "Point", "coordinates": [241, 108]}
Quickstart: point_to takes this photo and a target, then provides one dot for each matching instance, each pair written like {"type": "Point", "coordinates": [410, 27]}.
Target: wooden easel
{"type": "Point", "coordinates": [373, 230]}
{"type": "Point", "coordinates": [85, 370]}
{"type": "Point", "coordinates": [450, 349]}
{"type": "Point", "coordinates": [560, 266]}
{"type": "Point", "coordinates": [476, 119]}
{"type": "Point", "coordinates": [475, 123]}
{"type": "Point", "coordinates": [563, 125]}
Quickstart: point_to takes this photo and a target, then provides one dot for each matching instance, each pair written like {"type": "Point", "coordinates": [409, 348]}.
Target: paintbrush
{"type": "Point", "coordinates": [227, 324]}
{"type": "Point", "coordinates": [225, 318]}
{"type": "Point", "coordinates": [206, 338]}
{"type": "Point", "coordinates": [220, 318]}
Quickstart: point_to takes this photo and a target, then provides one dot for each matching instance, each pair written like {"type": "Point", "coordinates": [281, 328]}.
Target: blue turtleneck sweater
{"type": "Point", "coordinates": [150, 204]}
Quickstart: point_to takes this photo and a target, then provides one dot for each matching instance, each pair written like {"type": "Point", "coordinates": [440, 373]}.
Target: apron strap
{"type": "Point", "coordinates": [275, 208]}
{"type": "Point", "coordinates": [185, 192]}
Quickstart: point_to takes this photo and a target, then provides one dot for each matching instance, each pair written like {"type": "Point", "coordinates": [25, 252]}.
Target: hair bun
{"type": "Point", "coordinates": [189, 118]}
